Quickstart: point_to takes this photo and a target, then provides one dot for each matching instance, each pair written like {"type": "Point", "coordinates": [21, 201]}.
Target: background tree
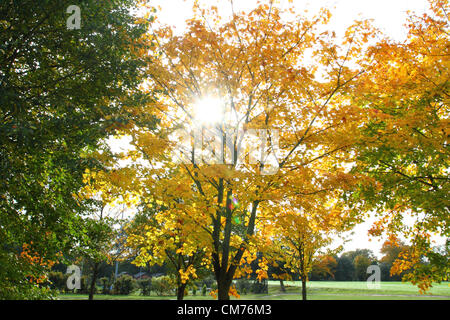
{"type": "Point", "coordinates": [98, 242]}
{"type": "Point", "coordinates": [324, 268]}
{"type": "Point", "coordinates": [366, 253]}
{"type": "Point", "coordinates": [391, 252]}
{"type": "Point", "coordinates": [361, 264]}
{"type": "Point", "coordinates": [304, 238]}
{"type": "Point", "coordinates": [278, 270]}
{"type": "Point", "coordinates": [345, 269]}
{"type": "Point", "coordinates": [110, 194]}
{"type": "Point", "coordinates": [61, 92]}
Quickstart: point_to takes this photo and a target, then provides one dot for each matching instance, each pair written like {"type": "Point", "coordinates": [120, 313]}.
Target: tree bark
{"type": "Point", "coordinates": [180, 291]}
{"type": "Point", "coordinates": [304, 288]}
{"type": "Point", "coordinates": [223, 287]}
{"type": "Point", "coordinates": [282, 287]}
{"type": "Point", "coordinates": [303, 272]}
{"type": "Point", "coordinates": [225, 268]}
{"type": "Point", "coordinates": [93, 280]}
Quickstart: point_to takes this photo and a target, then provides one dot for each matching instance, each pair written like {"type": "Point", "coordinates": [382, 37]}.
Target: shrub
{"type": "Point", "coordinates": [204, 290]}
{"type": "Point", "coordinates": [163, 285]}
{"type": "Point", "coordinates": [243, 286]}
{"type": "Point", "coordinates": [124, 285]}
{"type": "Point", "coordinates": [146, 286]}
{"type": "Point", "coordinates": [259, 287]}
{"type": "Point", "coordinates": [105, 285]}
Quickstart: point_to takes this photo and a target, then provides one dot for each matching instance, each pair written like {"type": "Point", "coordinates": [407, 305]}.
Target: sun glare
{"type": "Point", "coordinates": [208, 110]}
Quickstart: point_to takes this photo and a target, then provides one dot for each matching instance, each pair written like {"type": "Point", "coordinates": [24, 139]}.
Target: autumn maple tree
{"type": "Point", "coordinates": [404, 146]}
{"type": "Point", "coordinates": [302, 238]}
{"type": "Point", "coordinates": [162, 233]}
{"type": "Point", "coordinates": [278, 86]}
{"type": "Point", "coordinates": [324, 266]}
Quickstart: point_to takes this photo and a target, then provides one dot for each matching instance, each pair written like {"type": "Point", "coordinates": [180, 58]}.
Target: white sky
{"type": "Point", "coordinates": [388, 15]}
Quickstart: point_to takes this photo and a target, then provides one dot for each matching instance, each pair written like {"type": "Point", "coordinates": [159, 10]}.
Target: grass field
{"type": "Point", "coordinates": [317, 290]}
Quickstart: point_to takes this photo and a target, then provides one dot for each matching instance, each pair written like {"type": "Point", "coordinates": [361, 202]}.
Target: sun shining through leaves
{"type": "Point", "coordinates": [209, 110]}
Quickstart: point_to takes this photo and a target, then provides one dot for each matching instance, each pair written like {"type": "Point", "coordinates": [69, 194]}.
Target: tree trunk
{"type": "Point", "coordinates": [282, 288]}
{"type": "Point", "coordinates": [93, 280]}
{"type": "Point", "coordinates": [303, 273]}
{"type": "Point", "coordinates": [180, 291]}
{"type": "Point", "coordinates": [225, 268]}
{"type": "Point", "coordinates": [304, 288]}
{"type": "Point", "coordinates": [223, 286]}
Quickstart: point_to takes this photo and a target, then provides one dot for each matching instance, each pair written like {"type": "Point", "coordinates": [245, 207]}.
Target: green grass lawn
{"type": "Point", "coordinates": [317, 290]}
{"type": "Point", "coordinates": [357, 290]}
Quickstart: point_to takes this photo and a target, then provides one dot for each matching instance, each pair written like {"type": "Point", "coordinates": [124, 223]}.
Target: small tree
{"type": "Point", "coordinates": [302, 237]}
{"type": "Point", "coordinates": [107, 202]}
